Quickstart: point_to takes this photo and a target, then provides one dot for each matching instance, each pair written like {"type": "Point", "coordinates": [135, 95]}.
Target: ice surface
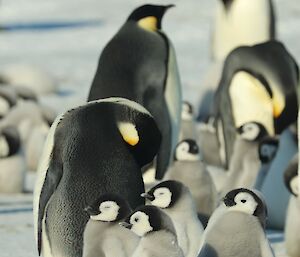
{"type": "Point", "coordinates": [71, 56]}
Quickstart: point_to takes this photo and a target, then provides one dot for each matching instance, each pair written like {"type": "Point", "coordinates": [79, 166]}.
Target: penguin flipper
{"type": "Point", "coordinates": [53, 176]}
{"type": "Point", "coordinates": [47, 181]}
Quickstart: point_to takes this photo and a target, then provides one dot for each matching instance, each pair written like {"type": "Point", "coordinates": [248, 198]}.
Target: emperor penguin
{"type": "Point", "coordinates": [188, 129]}
{"type": "Point", "coordinates": [292, 223]}
{"type": "Point", "coordinates": [157, 232]}
{"type": "Point", "coordinates": [259, 83]}
{"type": "Point", "coordinates": [189, 169]}
{"type": "Point", "coordinates": [245, 163]}
{"type": "Point", "coordinates": [235, 26]}
{"type": "Point", "coordinates": [267, 151]}
{"type": "Point", "coordinates": [90, 150]}
{"type": "Point", "coordinates": [12, 162]}
{"type": "Point", "coordinates": [237, 227]}
{"type": "Point", "coordinates": [103, 236]}
{"type": "Point", "coordinates": [139, 63]}
{"type": "Point", "coordinates": [177, 201]}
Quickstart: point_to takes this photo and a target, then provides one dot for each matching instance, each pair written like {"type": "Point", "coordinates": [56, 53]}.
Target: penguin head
{"type": "Point", "coordinates": [149, 17]}
{"type": "Point", "coordinates": [187, 112]}
{"type": "Point", "coordinates": [166, 194]}
{"type": "Point", "coordinates": [252, 131]}
{"type": "Point", "coordinates": [148, 219]}
{"type": "Point", "coordinates": [10, 142]}
{"type": "Point", "coordinates": [246, 201]}
{"type": "Point", "coordinates": [138, 130]}
{"type": "Point", "coordinates": [108, 208]}
{"type": "Point", "coordinates": [187, 150]}
{"type": "Point", "coordinates": [291, 176]}
{"type": "Point", "coordinates": [267, 149]}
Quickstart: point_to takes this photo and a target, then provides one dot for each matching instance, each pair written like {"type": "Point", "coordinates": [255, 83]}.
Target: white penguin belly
{"type": "Point", "coordinates": [250, 102]}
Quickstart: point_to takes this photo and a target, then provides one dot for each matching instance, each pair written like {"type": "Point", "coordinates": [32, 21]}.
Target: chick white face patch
{"type": "Point", "coordinates": [244, 203]}
{"type": "Point", "coordinates": [163, 197]}
{"type": "Point", "coordinates": [4, 147]}
{"type": "Point", "coordinates": [183, 154]}
{"type": "Point", "coordinates": [140, 223]}
{"type": "Point", "coordinates": [109, 211]}
{"type": "Point", "coordinates": [250, 131]}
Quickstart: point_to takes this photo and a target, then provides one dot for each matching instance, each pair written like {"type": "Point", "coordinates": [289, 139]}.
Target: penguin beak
{"type": "Point", "coordinates": [125, 225]}
{"type": "Point", "coordinates": [227, 3]}
{"type": "Point", "coordinates": [148, 196]}
{"type": "Point", "coordinates": [169, 6]}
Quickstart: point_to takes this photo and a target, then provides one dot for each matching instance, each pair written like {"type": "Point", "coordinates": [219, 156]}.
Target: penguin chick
{"type": "Point", "coordinates": [102, 235]}
{"type": "Point", "coordinates": [158, 236]}
{"type": "Point", "coordinates": [244, 164]}
{"type": "Point", "coordinates": [237, 227]}
{"type": "Point", "coordinates": [12, 163]}
{"type": "Point", "coordinates": [267, 151]}
{"type": "Point", "coordinates": [176, 200]}
{"type": "Point", "coordinates": [188, 125]}
{"type": "Point", "coordinates": [292, 223]}
{"type": "Point", "coordinates": [191, 171]}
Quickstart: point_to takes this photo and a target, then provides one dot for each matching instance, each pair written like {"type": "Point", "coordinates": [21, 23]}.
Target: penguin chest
{"type": "Point", "coordinates": [235, 235]}
{"type": "Point", "coordinates": [250, 101]}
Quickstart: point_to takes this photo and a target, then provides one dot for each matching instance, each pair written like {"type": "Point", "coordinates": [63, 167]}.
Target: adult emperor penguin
{"type": "Point", "coordinates": [12, 162]}
{"type": "Point", "coordinates": [292, 224]}
{"type": "Point", "coordinates": [234, 25]}
{"type": "Point", "coordinates": [93, 149]}
{"type": "Point", "coordinates": [176, 200]}
{"type": "Point", "coordinates": [157, 232]}
{"type": "Point", "coordinates": [139, 63]}
{"type": "Point", "coordinates": [237, 227]}
{"type": "Point", "coordinates": [259, 83]}
{"type": "Point", "coordinates": [189, 169]}
{"type": "Point", "coordinates": [103, 236]}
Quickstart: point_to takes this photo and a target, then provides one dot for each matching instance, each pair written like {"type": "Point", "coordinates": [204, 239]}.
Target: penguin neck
{"type": "Point", "coordinates": [184, 206]}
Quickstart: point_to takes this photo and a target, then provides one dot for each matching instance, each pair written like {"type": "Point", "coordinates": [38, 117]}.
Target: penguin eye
{"type": "Point", "coordinates": [136, 219]}
{"type": "Point", "coordinates": [106, 207]}
{"type": "Point", "coordinates": [161, 193]}
{"type": "Point", "coordinates": [243, 201]}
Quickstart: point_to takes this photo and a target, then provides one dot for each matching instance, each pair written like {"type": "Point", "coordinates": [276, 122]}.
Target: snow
{"type": "Point", "coordinates": [71, 55]}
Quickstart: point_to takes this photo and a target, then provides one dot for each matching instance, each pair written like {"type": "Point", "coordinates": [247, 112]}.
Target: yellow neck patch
{"type": "Point", "coordinates": [278, 102]}
{"type": "Point", "coordinates": [129, 133]}
{"type": "Point", "coordinates": [148, 23]}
